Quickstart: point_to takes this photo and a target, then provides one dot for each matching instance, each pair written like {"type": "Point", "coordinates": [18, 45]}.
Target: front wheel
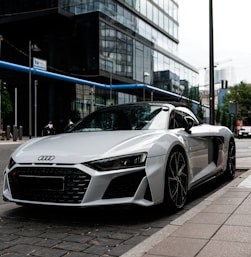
{"type": "Point", "coordinates": [176, 181]}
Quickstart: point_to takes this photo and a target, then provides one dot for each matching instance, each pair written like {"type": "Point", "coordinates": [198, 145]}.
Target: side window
{"type": "Point", "coordinates": [183, 111]}
{"type": "Point", "coordinates": [176, 120]}
{"type": "Point", "coordinates": [177, 117]}
{"type": "Point", "coordinates": [172, 120]}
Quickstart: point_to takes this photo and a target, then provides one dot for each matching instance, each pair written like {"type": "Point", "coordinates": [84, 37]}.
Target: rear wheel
{"type": "Point", "coordinates": [231, 161]}
{"type": "Point", "coordinates": [176, 182]}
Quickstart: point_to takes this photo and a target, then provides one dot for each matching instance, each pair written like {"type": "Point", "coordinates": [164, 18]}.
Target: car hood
{"type": "Point", "coordinates": [85, 146]}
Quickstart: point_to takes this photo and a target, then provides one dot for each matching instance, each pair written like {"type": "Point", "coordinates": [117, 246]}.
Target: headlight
{"type": "Point", "coordinates": [117, 163]}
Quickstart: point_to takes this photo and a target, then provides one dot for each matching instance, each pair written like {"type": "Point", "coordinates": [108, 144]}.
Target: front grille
{"type": "Point", "coordinates": [48, 184]}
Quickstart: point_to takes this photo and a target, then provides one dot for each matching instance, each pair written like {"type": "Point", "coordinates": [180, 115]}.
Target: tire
{"type": "Point", "coordinates": [176, 181]}
{"type": "Point", "coordinates": [231, 161]}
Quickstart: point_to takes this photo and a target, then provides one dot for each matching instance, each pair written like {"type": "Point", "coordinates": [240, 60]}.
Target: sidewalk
{"type": "Point", "coordinates": [11, 141]}
{"type": "Point", "coordinates": [220, 226]}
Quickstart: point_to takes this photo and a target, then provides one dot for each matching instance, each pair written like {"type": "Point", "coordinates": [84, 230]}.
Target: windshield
{"type": "Point", "coordinates": [127, 117]}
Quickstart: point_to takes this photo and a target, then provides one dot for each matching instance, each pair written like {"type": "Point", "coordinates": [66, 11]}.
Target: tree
{"type": "Point", "coordinates": [224, 120]}
{"type": "Point", "coordinates": [240, 94]}
{"type": "Point", "coordinates": [193, 94]}
{"type": "Point", "coordinates": [6, 104]}
{"type": "Point", "coordinates": [218, 115]}
{"type": "Point", "coordinates": [200, 112]}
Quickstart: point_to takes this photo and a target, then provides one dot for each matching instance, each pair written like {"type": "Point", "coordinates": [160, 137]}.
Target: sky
{"type": "Point", "coordinates": [232, 35]}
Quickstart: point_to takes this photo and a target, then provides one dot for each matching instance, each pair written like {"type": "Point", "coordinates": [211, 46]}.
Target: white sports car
{"type": "Point", "coordinates": [146, 153]}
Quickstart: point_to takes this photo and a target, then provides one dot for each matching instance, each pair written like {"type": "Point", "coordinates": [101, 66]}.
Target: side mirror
{"type": "Point", "coordinates": [188, 123]}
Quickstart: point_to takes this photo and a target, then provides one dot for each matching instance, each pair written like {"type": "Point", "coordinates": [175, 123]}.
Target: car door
{"type": "Point", "coordinates": [199, 144]}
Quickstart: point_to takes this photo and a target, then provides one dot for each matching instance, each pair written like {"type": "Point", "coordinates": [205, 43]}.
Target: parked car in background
{"type": "Point", "coordinates": [244, 131]}
{"type": "Point", "coordinates": [146, 153]}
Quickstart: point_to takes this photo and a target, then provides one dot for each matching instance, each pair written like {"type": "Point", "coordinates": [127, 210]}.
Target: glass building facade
{"type": "Point", "coordinates": [105, 41]}
{"type": "Point", "coordinates": [144, 39]}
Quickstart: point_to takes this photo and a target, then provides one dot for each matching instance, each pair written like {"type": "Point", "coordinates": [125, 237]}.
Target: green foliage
{"type": "Point", "coordinates": [200, 112]}
{"type": "Point", "coordinates": [6, 104]}
{"type": "Point", "coordinates": [240, 94]}
{"type": "Point", "coordinates": [218, 115]}
{"type": "Point", "coordinates": [193, 94]}
{"type": "Point", "coordinates": [229, 120]}
{"type": "Point", "coordinates": [234, 122]}
{"type": "Point", "coordinates": [224, 119]}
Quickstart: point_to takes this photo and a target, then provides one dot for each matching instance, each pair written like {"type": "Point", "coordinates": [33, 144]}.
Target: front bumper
{"type": "Point", "coordinates": [75, 185]}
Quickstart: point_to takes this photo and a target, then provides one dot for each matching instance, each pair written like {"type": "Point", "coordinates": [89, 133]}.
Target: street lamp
{"type": "Point", "coordinates": [35, 107]}
{"type": "Point", "coordinates": [34, 48]}
{"type": "Point", "coordinates": [15, 106]}
{"type": "Point", "coordinates": [211, 63]}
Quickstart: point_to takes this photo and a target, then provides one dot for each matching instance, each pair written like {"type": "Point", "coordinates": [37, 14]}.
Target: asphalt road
{"type": "Point", "coordinates": [90, 232]}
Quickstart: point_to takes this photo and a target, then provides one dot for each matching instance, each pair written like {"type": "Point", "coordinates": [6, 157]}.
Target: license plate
{"type": "Point", "coordinates": [44, 183]}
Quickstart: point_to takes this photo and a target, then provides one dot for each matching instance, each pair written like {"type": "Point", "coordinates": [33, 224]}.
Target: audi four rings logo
{"type": "Point", "coordinates": [46, 157]}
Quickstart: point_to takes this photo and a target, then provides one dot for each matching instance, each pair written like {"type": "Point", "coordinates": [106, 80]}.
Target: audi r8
{"type": "Point", "coordinates": [145, 153]}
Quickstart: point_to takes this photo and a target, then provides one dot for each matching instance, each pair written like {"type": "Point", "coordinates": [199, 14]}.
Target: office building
{"type": "Point", "coordinates": [112, 42]}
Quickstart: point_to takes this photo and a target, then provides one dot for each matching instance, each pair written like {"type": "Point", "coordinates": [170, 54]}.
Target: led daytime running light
{"type": "Point", "coordinates": [117, 163]}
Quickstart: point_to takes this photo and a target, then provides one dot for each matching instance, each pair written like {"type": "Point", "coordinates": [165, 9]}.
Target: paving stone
{"type": "Point", "coordinates": [135, 240]}
{"type": "Point", "coordinates": [225, 249]}
{"type": "Point", "coordinates": [120, 235]}
{"type": "Point", "coordinates": [53, 235]}
{"type": "Point", "coordinates": [194, 230]}
{"type": "Point", "coordinates": [7, 237]}
{"type": "Point", "coordinates": [172, 247]}
{"type": "Point", "coordinates": [6, 245]}
{"type": "Point", "coordinates": [72, 246]}
{"type": "Point", "coordinates": [234, 234]}
{"type": "Point", "coordinates": [78, 238]}
{"type": "Point", "coordinates": [80, 254]}
{"type": "Point", "coordinates": [47, 242]}
{"type": "Point", "coordinates": [118, 251]}
{"type": "Point", "coordinates": [97, 250]}
{"type": "Point", "coordinates": [26, 240]}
